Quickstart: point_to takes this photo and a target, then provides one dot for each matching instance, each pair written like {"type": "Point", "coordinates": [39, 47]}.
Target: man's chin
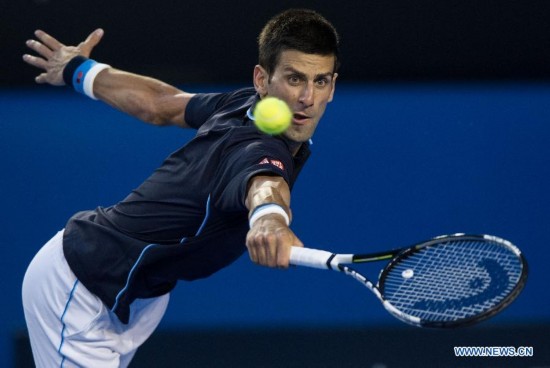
{"type": "Point", "coordinates": [294, 140]}
{"type": "Point", "coordinates": [297, 135]}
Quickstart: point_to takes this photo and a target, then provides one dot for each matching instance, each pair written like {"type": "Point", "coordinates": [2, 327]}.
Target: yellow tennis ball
{"type": "Point", "coordinates": [272, 115]}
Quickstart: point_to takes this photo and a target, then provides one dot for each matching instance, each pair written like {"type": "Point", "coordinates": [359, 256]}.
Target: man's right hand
{"type": "Point", "coordinates": [53, 55]}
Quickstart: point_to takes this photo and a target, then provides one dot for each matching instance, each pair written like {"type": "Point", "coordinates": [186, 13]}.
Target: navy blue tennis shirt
{"type": "Point", "coordinates": [188, 219]}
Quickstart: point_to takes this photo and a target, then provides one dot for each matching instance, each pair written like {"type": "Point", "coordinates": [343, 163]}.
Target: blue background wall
{"type": "Point", "coordinates": [393, 164]}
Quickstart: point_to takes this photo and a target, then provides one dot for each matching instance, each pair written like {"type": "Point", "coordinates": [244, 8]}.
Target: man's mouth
{"type": "Point", "coordinates": [300, 118]}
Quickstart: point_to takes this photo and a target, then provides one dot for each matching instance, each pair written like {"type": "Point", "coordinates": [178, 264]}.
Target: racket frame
{"type": "Point", "coordinates": [337, 262]}
{"type": "Point", "coordinates": [406, 252]}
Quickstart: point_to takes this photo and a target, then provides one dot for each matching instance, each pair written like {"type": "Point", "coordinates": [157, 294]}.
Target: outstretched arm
{"type": "Point", "coordinates": [145, 98]}
{"type": "Point", "coordinates": [270, 238]}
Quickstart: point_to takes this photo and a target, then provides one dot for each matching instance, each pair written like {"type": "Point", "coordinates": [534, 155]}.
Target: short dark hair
{"type": "Point", "coordinates": [297, 29]}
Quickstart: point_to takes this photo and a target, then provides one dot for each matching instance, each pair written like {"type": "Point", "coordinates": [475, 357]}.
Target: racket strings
{"type": "Point", "coordinates": [452, 280]}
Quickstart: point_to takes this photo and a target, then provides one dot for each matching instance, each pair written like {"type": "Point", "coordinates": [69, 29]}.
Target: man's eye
{"type": "Point", "coordinates": [294, 79]}
{"type": "Point", "coordinates": [322, 82]}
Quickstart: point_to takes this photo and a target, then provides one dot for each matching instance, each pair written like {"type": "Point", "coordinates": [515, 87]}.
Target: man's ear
{"type": "Point", "coordinates": [261, 79]}
{"type": "Point", "coordinates": [333, 87]}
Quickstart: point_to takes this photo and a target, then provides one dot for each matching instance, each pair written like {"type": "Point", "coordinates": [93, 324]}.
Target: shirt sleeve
{"type": "Point", "coordinates": [264, 156]}
{"type": "Point", "coordinates": [201, 107]}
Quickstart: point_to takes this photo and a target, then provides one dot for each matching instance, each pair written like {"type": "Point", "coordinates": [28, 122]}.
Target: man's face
{"type": "Point", "coordinates": [306, 83]}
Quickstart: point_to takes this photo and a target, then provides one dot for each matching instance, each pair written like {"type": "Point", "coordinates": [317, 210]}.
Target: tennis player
{"type": "Point", "coordinates": [98, 289]}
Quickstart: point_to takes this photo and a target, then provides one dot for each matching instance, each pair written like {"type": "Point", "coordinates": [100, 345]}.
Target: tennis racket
{"type": "Point", "coordinates": [448, 281]}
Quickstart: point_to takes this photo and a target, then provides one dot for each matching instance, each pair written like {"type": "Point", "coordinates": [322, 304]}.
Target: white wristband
{"type": "Point", "coordinates": [267, 209]}
{"type": "Point", "coordinates": [90, 77]}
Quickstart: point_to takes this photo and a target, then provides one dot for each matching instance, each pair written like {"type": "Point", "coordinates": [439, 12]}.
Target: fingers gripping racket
{"type": "Point", "coordinates": [449, 281]}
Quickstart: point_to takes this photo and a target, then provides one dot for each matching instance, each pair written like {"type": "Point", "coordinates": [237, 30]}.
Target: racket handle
{"type": "Point", "coordinates": [309, 257]}
{"type": "Point", "coordinates": [317, 258]}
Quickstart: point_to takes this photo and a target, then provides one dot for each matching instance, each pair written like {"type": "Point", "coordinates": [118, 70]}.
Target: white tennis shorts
{"type": "Point", "coordinates": [69, 326]}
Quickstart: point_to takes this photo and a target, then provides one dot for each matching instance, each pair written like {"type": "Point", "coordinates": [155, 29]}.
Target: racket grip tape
{"type": "Point", "coordinates": [310, 257]}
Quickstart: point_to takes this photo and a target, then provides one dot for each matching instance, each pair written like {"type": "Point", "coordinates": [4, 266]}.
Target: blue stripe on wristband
{"type": "Point", "coordinates": [267, 209]}
{"type": "Point", "coordinates": [265, 205]}
{"type": "Point", "coordinates": [80, 73]}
